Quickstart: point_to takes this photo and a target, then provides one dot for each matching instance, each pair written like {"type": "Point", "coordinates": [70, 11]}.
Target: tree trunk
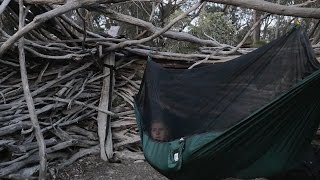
{"type": "Point", "coordinates": [257, 30]}
{"type": "Point", "coordinates": [278, 24]}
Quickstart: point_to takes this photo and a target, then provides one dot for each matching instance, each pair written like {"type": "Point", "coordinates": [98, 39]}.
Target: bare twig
{"type": "Point", "coordinates": [199, 62]}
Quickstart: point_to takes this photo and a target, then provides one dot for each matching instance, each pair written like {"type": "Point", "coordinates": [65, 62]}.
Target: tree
{"type": "Point", "coordinates": [72, 32]}
{"type": "Point", "coordinates": [256, 32]}
{"type": "Point", "coordinates": [215, 25]}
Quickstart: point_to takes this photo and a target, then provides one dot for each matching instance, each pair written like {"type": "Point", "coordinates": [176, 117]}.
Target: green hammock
{"type": "Point", "coordinates": [254, 116]}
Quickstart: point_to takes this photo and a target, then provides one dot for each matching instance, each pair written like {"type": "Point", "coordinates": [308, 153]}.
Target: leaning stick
{"type": "Point", "coordinates": [29, 100]}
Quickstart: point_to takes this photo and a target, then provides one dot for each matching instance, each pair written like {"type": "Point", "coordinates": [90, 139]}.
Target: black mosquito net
{"type": "Point", "coordinates": [217, 96]}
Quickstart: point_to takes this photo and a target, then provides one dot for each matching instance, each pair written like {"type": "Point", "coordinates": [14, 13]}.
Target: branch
{"type": "Point", "coordinates": [49, 2]}
{"type": "Point", "coordinates": [29, 100]}
{"type": "Point", "coordinates": [38, 20]}
{"type": "Point", "coordinates": [305, 3]}
{"type": "Point", "coordinates": [150, 27]}
{"type": "Point", "coordinates": [67, 56]}
{"type": "Point", "coordinates": [248, 34]}
{"type": "Point", "coordinates": [273, 8]}
{"type": "Point", "coordinates": [51, 83]}
{"type": "Point", "coordinates": [179, 56]}
{"type": "Point", "coordinates": [199, 62]}
{"type": "Point", "coordinates": [44, 1]}
{"type": "Point", "coordinates": [78, 28]}
{"type": "Point", "coordinates": [9, 63]}
{"type": "Point", "coordinates": [79, 103]}
{"type": "Point", "coordinates": [158, 33]}
{"type": "Point", "coordinates": [81, 153]}
{"type": "Point", "coordinates": [3, 5]}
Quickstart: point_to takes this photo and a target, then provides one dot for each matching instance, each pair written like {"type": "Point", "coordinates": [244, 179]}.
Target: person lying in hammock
{"type": "Point", "coordinates": [159, 131]}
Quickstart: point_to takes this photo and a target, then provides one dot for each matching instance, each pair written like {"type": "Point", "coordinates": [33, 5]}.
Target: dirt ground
{"type": "Point", "coordinates": [93, 168]}
{"type": "Point", "coordinates": [132, 167]}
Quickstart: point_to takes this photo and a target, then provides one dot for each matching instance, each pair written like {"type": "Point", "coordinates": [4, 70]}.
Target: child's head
{"type": "Point", "coordinates": [159, 131]}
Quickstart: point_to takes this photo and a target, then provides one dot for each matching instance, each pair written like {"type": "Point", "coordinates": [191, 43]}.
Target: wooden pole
{"type": "Point", "coordinates": [104, 127]}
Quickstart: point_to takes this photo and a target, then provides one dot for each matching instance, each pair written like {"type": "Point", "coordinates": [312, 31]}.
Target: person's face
{"type": "Point", "coordinates": [159, 131]}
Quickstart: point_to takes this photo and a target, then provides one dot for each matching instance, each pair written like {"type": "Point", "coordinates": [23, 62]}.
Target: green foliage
{"type": "Point", "coordinates": [180, 25]}
{"type": "Point", "coordinates": [179, 46]}
{"type": "Point", "coordinates": [224, 23]}
{"type": "Point", "coordinates": [215, 25]}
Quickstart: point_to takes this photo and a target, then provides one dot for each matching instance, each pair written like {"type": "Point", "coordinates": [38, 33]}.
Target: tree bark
{"type": "Point", "coordinates": [104, 120]}
{"type": "Point", "coordinates": [277, 24]}
{"type": "Point", "coordinates": [273, 8]}
{"type": "Point", "coordinates": [257, 30]}
{"type": "Point", "coordinates": [45, 1]}
{"type": "Point", "coordinates": [29, 100]}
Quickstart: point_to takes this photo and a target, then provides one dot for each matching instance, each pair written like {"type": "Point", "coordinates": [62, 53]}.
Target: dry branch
{"type": "Point", "coordinates": [92, 150]}
{"type": "Point", "coordinates": [273, 8]}
{"type": "Point", "coordinates": [38, 20]}
{"type": "Point", "coordinates": [158, 33]}
{"type": "Point", "coordinates": [29, 100]}
{"type": "Point", "coordinates": [3, 5]}
{"type": "Point", "coordinates": [150, 27]}
{"type": "Point", "coordinates": [70, 5]}
{"type": "Point", "coordinates": [104, 104]}
{"type": "Point", "coordinates": [68, 82]}
{"type": "Point", "coordinates": [45, 1]}
{"type": "Point", "coordinates": [248, 34]}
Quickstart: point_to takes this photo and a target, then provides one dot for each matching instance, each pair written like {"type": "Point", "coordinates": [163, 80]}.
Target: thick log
{"type": "Point", "coordinates": [273, 8]}
{"type": "Point", "coordinates": [14, 127]}
{"type": "Point", "coordinates": [129, 140]}
{"type": "Point", "coordinates": [48, 2]}
{"type": "Point", "coordinates": [33, 145]}
{"type": "Point", "coordinates": [30, 160]}
{"type": "Point", "coordinates": [18, 118]}
{"type": "Point", "coordinates": [104, 130]}
{"type": "Point", "coordinates": [179, 56]}
{"type": "Point", "coordinates": [81, 131]}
